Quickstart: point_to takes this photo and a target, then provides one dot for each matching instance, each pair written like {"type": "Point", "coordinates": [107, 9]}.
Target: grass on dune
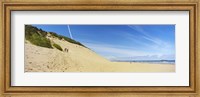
{"type": "Point", "coordinates": [38, 37]}
{"type": "Point", "coordinates": [58, 47]}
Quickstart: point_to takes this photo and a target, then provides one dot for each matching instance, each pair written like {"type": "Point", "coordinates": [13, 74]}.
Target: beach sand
{"type": "Point", "coordinates": [80, 59]}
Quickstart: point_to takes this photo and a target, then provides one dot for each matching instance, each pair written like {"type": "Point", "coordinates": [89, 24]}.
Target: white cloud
{"type": "Point", "coordinates": [146, 57]}
{"type": "Point", "coordinates": [118, 51]}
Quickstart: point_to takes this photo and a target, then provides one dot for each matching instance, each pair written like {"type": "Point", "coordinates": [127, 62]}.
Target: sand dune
{"type": "Point", "coordinates": [80, 59]}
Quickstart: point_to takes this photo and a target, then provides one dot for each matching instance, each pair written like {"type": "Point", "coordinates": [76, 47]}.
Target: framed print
{"type": "Point", "coordinates": [79, 48]}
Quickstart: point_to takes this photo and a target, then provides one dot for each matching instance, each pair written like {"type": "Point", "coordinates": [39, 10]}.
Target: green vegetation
{"type": "Point", "coordinates": [57, 46]}
{"type": "Point", "coordinates": [40, 41]}
{"type": "Point", "coordinates": [38, 37]}
{"type": "Point", "coordinates": [30, 30]}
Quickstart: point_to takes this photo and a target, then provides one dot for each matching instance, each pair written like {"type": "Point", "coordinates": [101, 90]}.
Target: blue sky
{"type": "Point", "coordinates": [122, 42]}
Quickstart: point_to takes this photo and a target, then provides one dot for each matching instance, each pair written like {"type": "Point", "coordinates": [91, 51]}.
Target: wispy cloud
{"type": "Point", "coordinates": [113, 51]}
{"type": "Point", "coordinates": [146, 36]}
{"type": "Point", "coordinates": [156, 43]}
{"type": "Point", "coordinates": [70, 33]}
{"type": "Point", "coordinates": [117, 52]}
{"type": "Point", "coordinates": [137, 43]}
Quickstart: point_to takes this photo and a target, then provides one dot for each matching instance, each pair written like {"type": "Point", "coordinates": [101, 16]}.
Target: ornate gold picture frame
{"type": "Point", "coordinates": [96, 91]}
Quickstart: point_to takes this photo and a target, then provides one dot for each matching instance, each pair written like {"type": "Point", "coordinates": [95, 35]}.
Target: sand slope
{"type": "Point", "coordinates": [80, 59]}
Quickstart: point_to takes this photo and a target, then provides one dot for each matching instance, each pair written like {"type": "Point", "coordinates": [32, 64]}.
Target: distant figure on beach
{"type": "Point", "coordinates": [66, 50]}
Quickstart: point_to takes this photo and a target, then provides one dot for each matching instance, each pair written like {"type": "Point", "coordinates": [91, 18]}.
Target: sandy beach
{"type": "Point", "coordinates": [80, 59]}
